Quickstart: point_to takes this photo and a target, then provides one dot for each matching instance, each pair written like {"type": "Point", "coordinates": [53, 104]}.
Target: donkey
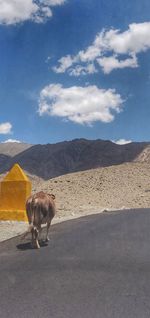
{"type": "Point", "coordinates": [40, 208]}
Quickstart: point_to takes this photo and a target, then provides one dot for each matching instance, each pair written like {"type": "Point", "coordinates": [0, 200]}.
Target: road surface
{"type": "Point", "coordinates": [94, 267]}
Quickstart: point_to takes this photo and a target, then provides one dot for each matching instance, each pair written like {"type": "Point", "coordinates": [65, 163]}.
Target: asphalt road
{"type": "Point", "coordinates": [94, 267]}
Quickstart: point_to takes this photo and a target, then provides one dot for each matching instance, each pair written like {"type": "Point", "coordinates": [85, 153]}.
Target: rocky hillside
{"type": "Point", "coordinates": [52, 160]}
{"type": "Point", "coordinates": [9, 150]}
{"type": "Point", "coordinates": [144, 156]}
{"type": "Point", "coordinates": [122, 186]}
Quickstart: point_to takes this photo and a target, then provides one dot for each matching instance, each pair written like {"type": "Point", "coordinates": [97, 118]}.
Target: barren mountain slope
{"type": "Point", "coordinates": [52, 160]}
{"type": "Point", "coordinates": [144, 156]}
{"type": "Point", "coordinates": [108, 185]}
{"type": "Point", "coordinates": [8, 151]}
{"type": "Point", "coordinates": [13, 148]}
{"type": "Point", "coordinates": [114, 187]}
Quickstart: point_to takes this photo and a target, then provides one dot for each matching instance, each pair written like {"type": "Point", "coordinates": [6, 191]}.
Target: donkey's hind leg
{"type": "Point", "coordinates": [47, 231]}
{"type": "Point", "coordinates": [36, 234]}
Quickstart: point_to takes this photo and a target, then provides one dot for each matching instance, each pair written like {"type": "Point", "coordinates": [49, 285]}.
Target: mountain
{"type": "Point", "coordinates": [12, 148]}
{"type": "Point", "coordinates": [52, 160]}
{"type": "Point", "coordinates": [8, 150]}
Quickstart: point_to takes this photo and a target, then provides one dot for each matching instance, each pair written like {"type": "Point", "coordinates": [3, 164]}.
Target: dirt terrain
{"type": "Point", "coordinates": [116, 187]}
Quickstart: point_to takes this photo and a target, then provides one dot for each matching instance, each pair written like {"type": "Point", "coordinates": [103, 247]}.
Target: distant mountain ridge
{"type": "Point", "coordinates": [52, 160]}
{"type": "Point", "coordinates": [13, 148]}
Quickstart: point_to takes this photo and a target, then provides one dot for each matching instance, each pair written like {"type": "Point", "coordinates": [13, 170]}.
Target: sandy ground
{"type": "Point", "coordinates": [117, 187]}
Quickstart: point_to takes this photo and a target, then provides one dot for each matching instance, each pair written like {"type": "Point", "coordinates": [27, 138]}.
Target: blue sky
{"type": "Point", "coordinates": [74, 69]}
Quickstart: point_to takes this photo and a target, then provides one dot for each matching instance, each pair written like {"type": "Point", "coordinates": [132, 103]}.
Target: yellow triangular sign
{"type": "Point", "coordinates": [16, 174]}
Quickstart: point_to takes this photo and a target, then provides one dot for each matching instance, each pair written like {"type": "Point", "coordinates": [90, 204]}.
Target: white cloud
{"type": "Point", "coordinates": [110, 63]}
{"type": "Point", "coordinates": [65, 62]}
{"type": "Point", "coordinates": [15, 11]}
{"type": "Point", "coordinates": [11, 140]}
{"type": "Point", "coordinates": [136, 39]}
{"type": "Point", "coordinates": [122, 142]}
{"type": "Point", "coordinates": [5, 128]}
{"type": "Point", "coordinates": [108, 50]}
{"type": "Point", "coordinates": [83, 70]}
{"type": "Point", "coordinates": [82, 105]}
